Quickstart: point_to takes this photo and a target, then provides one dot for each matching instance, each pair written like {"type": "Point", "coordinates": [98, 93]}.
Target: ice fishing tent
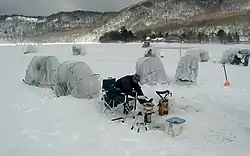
{"type": "Point", "coordinates": [152, 52]}
{"type": "Point", "coordinates": [30, 49]}
{"type": "Point", "coordinates": [204, 55]}
{"type": "Point", "coordinates": [201, 54]}
{"type": "Point", "coordinates": [187, 69]}
{"type": "Point", "coordinates": [41, 71]}
{"type": "Point", "coordinates": [151, 71]}
{"type": "Point", "coordinates": [228, 55]}
{"type": "Point", "coordinates": [76, 79]}
{"type": "Point", "coordinates": [78, 49]}
{"type": "Point", "coordinates": [193, 52]}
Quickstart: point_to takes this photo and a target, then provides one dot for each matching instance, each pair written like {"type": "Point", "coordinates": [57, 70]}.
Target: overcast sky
{"type": "Point", "coordinates": [47, 7]}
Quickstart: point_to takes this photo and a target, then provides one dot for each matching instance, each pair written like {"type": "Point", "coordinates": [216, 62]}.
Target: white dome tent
{"type": "Point", "coordinates": [78, 49]}
{"type": "Point", "coordinates": [204, 55]}
{"type": "Point", "coordinates": [151, 71]}
{"type": "Point", "coordinates": [41, 71]}
{"type": "Point", "coordinates": [228, 55]}
{"type": "Point", "coordinates": [152, 52]}
{"type": "Point", "coordinates": [187, 69]}
{"type": "Point", "coordinates": [193, 52]}
{"type": "Point", "coordinates": [201, 54]}
{"type": "Point", "coordinates": [78, 80]}
{"type": "Point", "coordinates": [31, 49]}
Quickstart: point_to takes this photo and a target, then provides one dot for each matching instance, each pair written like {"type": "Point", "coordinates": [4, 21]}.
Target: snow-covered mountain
{"type": "Point", "coordinates": [174, 15]}
{"type": "Point", "coordinates": [150, 15]}
{"type": "Point", "coordinates": [19, 28]}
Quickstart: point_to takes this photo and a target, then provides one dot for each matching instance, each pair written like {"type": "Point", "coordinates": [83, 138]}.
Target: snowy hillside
{"type": "Point", "coordinates": [180, 14]}
{"type": "Point", "coordinates": [150, 15]}
{"type": "Point", "coordinates": [34, 122]}
{"type": "Point", "coordinates": [17, 28]}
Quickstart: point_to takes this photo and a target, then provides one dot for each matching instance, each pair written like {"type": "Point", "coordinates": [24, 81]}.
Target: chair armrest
{"type": "Point", "coordinates": [104, 91]}
{"type": "Point", "coordinates": [129, 96]}
{"type": "Point", "coordinates": [133, 91]}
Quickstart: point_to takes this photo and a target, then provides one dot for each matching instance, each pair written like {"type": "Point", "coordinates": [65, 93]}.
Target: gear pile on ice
{"type": "Point", "coordinates": [236, 56]}
{"type": "Point", "coordinates": [78, 49]}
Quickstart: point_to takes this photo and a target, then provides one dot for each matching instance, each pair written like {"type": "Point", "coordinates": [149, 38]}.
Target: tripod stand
{"type": "Point", "coordinates": [140, 122]}
{"type": "Point", "coordinates": [143, 117]}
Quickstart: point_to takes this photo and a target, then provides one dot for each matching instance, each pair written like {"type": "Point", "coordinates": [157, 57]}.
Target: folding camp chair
{"type": "Point", "coordinates": [111, 98]}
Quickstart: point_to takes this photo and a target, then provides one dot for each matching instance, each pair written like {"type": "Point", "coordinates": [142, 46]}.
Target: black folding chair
{"type": "Point", "coordinates": [111, 98]}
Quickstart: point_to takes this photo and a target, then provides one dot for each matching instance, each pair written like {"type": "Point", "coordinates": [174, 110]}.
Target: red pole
{"type": "Point", "coordinates": [227, 83]}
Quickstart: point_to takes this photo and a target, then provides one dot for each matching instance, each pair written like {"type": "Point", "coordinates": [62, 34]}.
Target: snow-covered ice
{"type": "Point", "coordinates": [34, 122]}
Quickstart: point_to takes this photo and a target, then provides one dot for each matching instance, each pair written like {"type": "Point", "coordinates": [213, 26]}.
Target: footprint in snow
{"type": "Point", "coordinates": [220, 138]}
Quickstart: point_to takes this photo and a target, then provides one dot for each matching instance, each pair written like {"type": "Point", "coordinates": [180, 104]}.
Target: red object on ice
{"type": "Point", "coordinates": [227, 83]}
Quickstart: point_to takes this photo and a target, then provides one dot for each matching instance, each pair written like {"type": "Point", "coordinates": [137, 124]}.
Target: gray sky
{"type": "Point", "coordinates": [47, 7]}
